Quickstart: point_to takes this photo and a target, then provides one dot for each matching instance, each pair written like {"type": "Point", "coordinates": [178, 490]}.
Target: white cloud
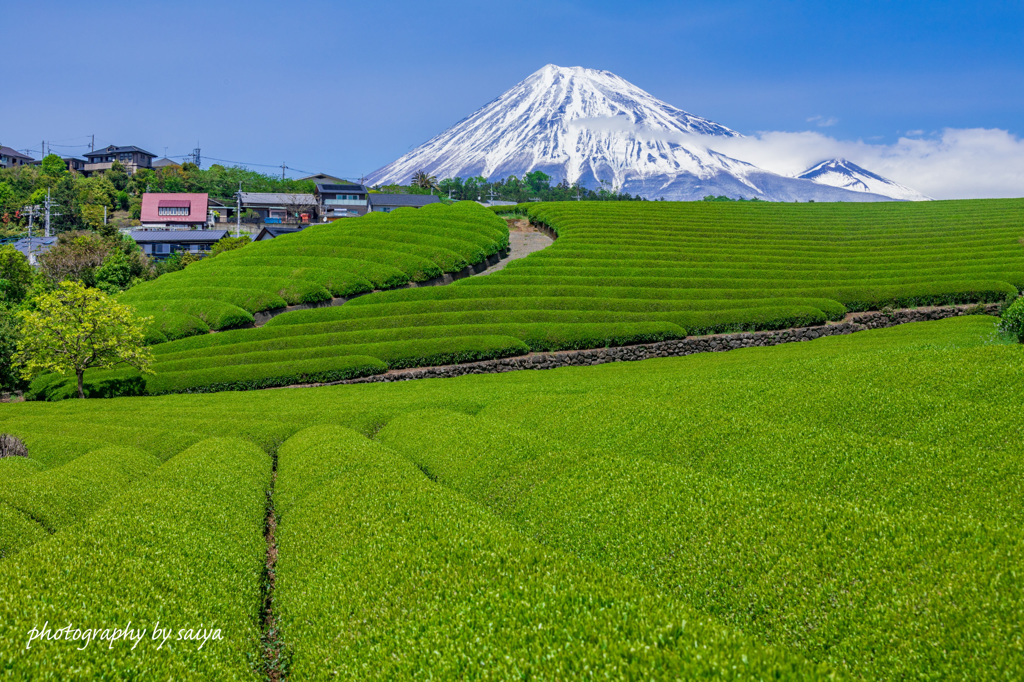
{"type": "Point", "coordinates": [958, 163]}
{"type": "Point", "coordinates": [823, 122]}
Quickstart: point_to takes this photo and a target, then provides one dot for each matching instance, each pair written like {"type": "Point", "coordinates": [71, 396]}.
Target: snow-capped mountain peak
{"type": "Point", "coordinates": [848, 175]}
{"type": "Point", "coordinates": [597, 129]}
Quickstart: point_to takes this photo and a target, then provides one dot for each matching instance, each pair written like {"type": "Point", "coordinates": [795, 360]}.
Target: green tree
{"type": "Point", "coordinates": [117, 176]}
{"type": "Point", "coordinates": [53, 167]}
{"type": "Point", "coordinates": [229, 244]}
{"type": "Point", "coordinates": [10, 333]}
{"type": "Point", "coordinates": [15, 275]}
{"type": "Point", "coordinates": [75, 256]}
{"type": "Point", "coordinates": [115, 274]}
{"type": "Point", "coordinates": [538, 182]}
{"type": "Point", "coordinates": [67, 212]}
{"type": "Point", "coordinates": [424, 181]}
{"type": "Point", "coordinates": [75, 328]}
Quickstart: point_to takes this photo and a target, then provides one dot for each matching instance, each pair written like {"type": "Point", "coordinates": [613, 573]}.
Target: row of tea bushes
{"type": "Point", "coordinates": [424, 583]}
{"type": "Point", "coordinates": [183, 549]}
{"type": "Point", "coordinates": [341, 259]}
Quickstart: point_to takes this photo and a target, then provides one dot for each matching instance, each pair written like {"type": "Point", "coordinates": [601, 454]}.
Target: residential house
{"type": "Point", "coordinates": [9, 158]}
{"type": "Point", "coordinates": [281, 207]}
{"type": "Point", "coordinates": [386, 203]}
{"type": "Point", "coordinates": [132, 158]}
{"type": "Point", "coordinates": [160, 244]}
{"type": "Point", "coordinates": [180, 211]}
{"type": "Point", "coordinates": [341, 200]}
{"type": "Point", "coordinates": [221, 211]}
{"type": "Point", "coordinates": [164, 163]}
{"type": "Point", "coordinates": [268, 233]}
{"type": "Point", "coordinates": [75, 165]}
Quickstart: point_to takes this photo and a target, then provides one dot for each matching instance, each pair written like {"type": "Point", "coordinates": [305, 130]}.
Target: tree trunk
{"type": "Point", "coordinates": [81, 393]}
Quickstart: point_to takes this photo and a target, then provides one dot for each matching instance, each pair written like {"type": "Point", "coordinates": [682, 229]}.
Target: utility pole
{"type": "Point", "coordinates": [282, 169]}
{"type": "Point", "coordinates": [32, 211]}
{"type": "Point", "coordinates": [92, 144]}
{"type": "Point", "coordinates": [49, 213]}
{"type": "Point", "coordinates": [238, 211]}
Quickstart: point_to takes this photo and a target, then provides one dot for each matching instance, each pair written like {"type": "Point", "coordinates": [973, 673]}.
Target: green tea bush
{"type": "Point", "coordinates": [17, 531]}
{"type": "Point", "coordinates": [346, 258]}
{"type": "Point", "coordinates": [59, 497]}
{"type": "Point", "coordinates": [184, 548]}
{"type": "Point", "coordinates": [264, 375]}
{"type": "Point", "coordinates": [1012, 321]}
{"type": "Point", "coordinates": [434, 586]}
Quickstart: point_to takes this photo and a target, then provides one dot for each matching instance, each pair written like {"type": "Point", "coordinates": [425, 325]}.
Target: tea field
{"type": "Point", "coordinates": [846, 508]}
{"type": "Point", "coordinates": [619, 273]}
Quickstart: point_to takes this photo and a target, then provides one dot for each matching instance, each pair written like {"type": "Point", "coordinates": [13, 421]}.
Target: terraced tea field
{"type": "Point", "coordinates": [348, 258]}
{"type": "Point", "coordinates": [844, 508]}
{"type": "Point", "coordinates": [619, 273]}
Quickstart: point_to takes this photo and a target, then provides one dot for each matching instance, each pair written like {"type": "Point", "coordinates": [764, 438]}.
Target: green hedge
{"type": "Point", "coordinates": [432, 586]}
{"type": "Point", "coordinates": [184, 548]}
{"type": "Point", "coordinates": [264, 375]}
{"type": "Point", "coordinates": [403, 342]}
{"type": "Point", "coordinates": [17, 531]}
{"type": "Point", "coordinates": [59, 497]}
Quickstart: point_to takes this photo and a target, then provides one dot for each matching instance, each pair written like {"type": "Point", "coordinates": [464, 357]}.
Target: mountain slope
{"type": "Point", "coordinates": [593, 127]}
{"type": "Point", "coordinates": [847, 175]}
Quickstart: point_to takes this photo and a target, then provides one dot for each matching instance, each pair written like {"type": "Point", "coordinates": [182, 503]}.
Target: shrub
{"type": "Point", "coordinates": [184, 547]}
{"type": "Point", "coordinates": [1012, 321]}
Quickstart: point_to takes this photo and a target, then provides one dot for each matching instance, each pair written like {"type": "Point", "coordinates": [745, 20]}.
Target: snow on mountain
{"type": "Point", "coordinates": [595, 128]}
{"type": "Point", "coordinates": [850, 176]}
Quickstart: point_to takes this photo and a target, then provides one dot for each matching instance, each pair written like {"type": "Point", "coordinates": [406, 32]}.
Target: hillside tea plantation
{"type": "Point", "coordinates": [618, 274]}
{"type": "Point", "coordinates": [342, 259]}
{"type": "Point", "coordinates": [846, 508]}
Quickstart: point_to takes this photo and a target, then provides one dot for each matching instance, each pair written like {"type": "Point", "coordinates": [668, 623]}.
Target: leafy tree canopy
{"type": "Point", "coordinates": [229, 244]}
{"type": "Point", "coordinates": [74, 328]}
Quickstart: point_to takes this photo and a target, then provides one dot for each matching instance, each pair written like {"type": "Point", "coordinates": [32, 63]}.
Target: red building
{"type": "Point", "coordinates": [180, 211]}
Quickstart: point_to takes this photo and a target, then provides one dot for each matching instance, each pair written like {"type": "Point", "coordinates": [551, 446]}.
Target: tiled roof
{"type": "Point", "coordinates": [177, 236]}
{"type": "Point", "coordinates": [114, 149]}
{"type": "Point", "coordinates": [278, 199]}
{"type": "Point", "coordinates": [7, 151]}
{"type": "Point", "coordinates": [329, 187]}
{"type": "Point", "coordinates": [197, 205]}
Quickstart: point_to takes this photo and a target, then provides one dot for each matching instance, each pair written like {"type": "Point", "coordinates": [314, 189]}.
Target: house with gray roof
{"type": "Point", "coordinates": [386, 203]}
{"type": "Point", "coordinates": [281, 207]}
{"type": "Point", "coordinates": [33, 247]}
{"type": "Point", "coordinates": [132, 158]}
{"type": "Point", "coordinates": [9, 158]}
{"type": "Point", "coordinates": [341, 200]}
{"type": "Point", "coordinates": [160, 244]}
{"type": "Point", "coordinates": [268, 233]}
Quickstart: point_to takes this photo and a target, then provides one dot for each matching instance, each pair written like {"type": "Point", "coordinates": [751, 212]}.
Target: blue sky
{"type": "Point", "coordinates": [345, 88]}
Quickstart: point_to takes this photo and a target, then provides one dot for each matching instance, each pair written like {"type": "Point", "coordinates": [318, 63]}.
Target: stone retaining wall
{"type": "Point", "coordinates": [854, 322]}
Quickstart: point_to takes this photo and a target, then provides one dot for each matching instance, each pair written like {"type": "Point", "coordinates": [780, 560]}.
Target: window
{"type": "Point", "coordinates": [172, 210]}
{"type": "Point", "coordinates": [161, 248]}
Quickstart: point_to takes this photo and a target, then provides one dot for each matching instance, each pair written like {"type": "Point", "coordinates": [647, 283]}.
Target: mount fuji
{"type": "Point", "coordinates": [848, 175]}
{"type": "Point", "coordinates": [595, 128]}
